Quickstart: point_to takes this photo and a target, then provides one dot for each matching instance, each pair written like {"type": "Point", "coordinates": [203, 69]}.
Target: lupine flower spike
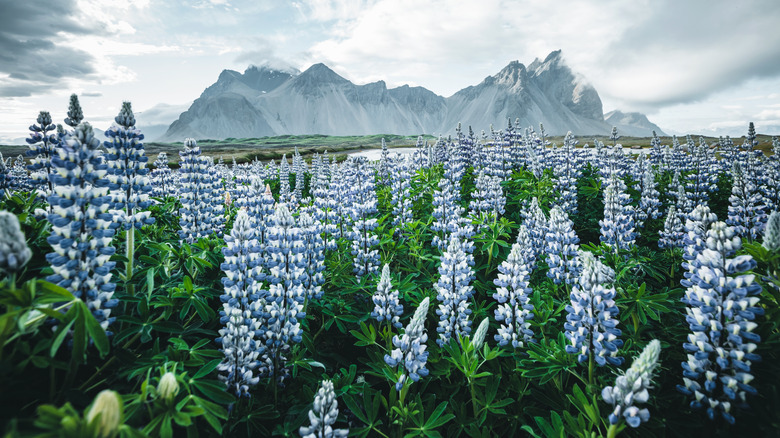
{"type": "Point", "coordinates": [410, 347]}
{"type": "Point", "coordinates": [323, 414]}
{"type": "Point", "coordinates": [631, 389]}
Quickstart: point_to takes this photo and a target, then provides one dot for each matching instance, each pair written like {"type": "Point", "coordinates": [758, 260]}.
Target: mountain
{"type": "Point", "coordinates": [547, 92]}
{"type": "Point", "coordinates": [264, 102]}
{"type": "Point", "coordinates": [632, 124]}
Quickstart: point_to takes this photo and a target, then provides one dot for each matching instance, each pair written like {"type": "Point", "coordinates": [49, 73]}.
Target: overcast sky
{"type": "Point", "coordinates": [705, 66]}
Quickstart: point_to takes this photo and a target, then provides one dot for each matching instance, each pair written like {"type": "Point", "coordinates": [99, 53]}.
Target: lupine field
{"type": "Point", "coordinates": [485, 285]}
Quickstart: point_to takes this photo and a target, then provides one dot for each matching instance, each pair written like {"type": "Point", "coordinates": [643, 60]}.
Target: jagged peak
{"type": "Point", "coordinates": [269, 68]}
{"type": "Point", "coordinates": [322, 73]}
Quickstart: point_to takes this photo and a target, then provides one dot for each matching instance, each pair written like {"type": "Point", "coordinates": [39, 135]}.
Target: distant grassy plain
{"type": "Point", "coordinates": [273, 148]}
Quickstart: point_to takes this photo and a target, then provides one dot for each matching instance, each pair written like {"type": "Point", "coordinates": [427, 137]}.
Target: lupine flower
{"type": "Point", "coordinates": [341, 200]}
{"type": "Point", "coordinates": [410, 348]}
{"type": "Point", "coordinates": [364, 252]}
{"type": "Point", "coordinates": [323, 415]}
{"type": "Point", "coordinates": [75, 115]}
{"type": "Point", "coordinates": [386, 304]}
{"type": "Point", "coordinates": [673, 232]}
{"type": "Point", "coordinates": [162, 177]}
{"type": "Point", "coordinates": [82, 224]}
{"type": "Point", "coordinates": [488, 200]}
{"type": "Point", "coordinates": [592, 316]}
{"type": "Point", "coordinates": [400, 186]}
{"type": "Point", "coordinates": [284, 180]}
{"type": "Point", "coordinates": [512, 294]}
{"type": "Point", "coordinates": [649, 202]}
{"type": "Point", "coordinates": [695, 236]}
{"type": "Point", "coordinates": [746, 212]}
{"type": "Point", "coordinates": [454, 290]}
{"type": "Point", "coordinates": [446, 212]}
{"type": "Point", "coordinates": [202, 209]}
{"type": "Point", "coordinates": [561, 248]}
{"type": "Point", "coordinates": [42, 150]}
{"type": "Point", "coordinates": [772, 233]}
{"type": "Point", "coordinates": [567, 170]}
{"type": "Point", "coordinates": [127, 173]}
{"type": "Point", "coordinates": [325, 206]}
{"type": "Point", "coordinates": [617, 227]}
{"type": "Point", "coordinates": [536, 223]}
{"type": "Point", "coordinates": [242, 307]}
{"type": "Point", "coordinates": [313, 255]}
{"type": "Point", "coordinates": [722, 304]}
{"type": "Point", "coordinates": [631, 388]}
{"type": "Point", "coordinates": [14, 253]}
{"type": "Point", "coordinates": [19, 177]}
{"type": "Point", "coordinates": [6, 181]}
{"type": "Point", "coordinates": [286, 295]}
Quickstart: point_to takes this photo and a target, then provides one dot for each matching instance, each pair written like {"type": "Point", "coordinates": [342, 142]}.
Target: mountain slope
{"type": "Point", "coordinates": [632, 124]}
{"type": "Point", "coordinates": [264, 102]}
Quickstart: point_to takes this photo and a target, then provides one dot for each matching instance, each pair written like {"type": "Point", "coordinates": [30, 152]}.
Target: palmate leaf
{"type": "Point", "coordinates": [547, 360]}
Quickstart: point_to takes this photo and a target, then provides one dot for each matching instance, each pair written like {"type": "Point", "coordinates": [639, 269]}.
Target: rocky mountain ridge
{"type": "Point", "coordinates": [265, 102]}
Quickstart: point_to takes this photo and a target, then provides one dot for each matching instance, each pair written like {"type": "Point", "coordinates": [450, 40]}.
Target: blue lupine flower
{"type": "Point", "coordinates": [386, 304]}
{"type": "Point", "coordinates": [410, 348]}
{"type": "Point", "coordinates": [284, 180]}
{"type": "Point", "coordinates": [704, 178]}
{"type": "Point", "coordinates": [696, 227]}
{"type": "Point", "coordinates": [673, 232]}
{"type": "Point", "coordinates": [592, 316]}
{"type": "Point", "coordinates": [617, 227]}
{"type": "Point", "coordinates": [561, 248]}
{"type": "Point", "coordinates": [82, 224]}
{"type": "Point", "coordinates": [454, 290]}
{"type": "Point", "coordinates": [567, 170]}
{"type": "Point", "coordinates": [42, 150]}
{"type": "Point", "coordinates": [127, 173]}
{"type": "Point", "coordinates": [364, 242]}
{"type": "Point", "coordinates": [513, 294]}
{"type": "Point", "coordinates": [163, 181]}
{"type": "Point", "coordinates": [722, 304]}
{"type": "Point", "coordinates": [631, 388]}
{"type": "Point", "coordinates": [400, 185]}
{"type": "Point", "coordinates": [324, 205]}
{"type": "Point", "coordinates": [6, 181]}
{"type": "Point", "coordinates": [340, 197]}
{"type": "Point", "coordinates": [19, 178]}
{"type": "Point", "coordinates": [242, 308]}
{"type": "Point", "coordinates": [14, 252]}
{"type": "Point", "coordinates": [536, 223]}
{"type": "Point", "coordinates": [286, 294]}
{"type": "Point", "coordinates": [446, 212]}
{"type": "Point", "coordinates": [202, 212]}
{"type": "Point", "coordinates": [649, 202]}
{"type": "Point", "coordinates": [313, 255]}
{"type": "Point", "coordinates": [746, 210]}
{"type": "Point", "coordinates": [75, 114]}
{"type": "Point", "coordinates": [323, 415]}
{"type": "Point", "coordinates": [772, 233]}
{"type": "Point", "coordinates": [488, 199]}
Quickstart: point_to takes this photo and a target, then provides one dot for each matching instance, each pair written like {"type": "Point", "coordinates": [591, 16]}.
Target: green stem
{"type": "Point", "coordinates": [130, 237]}
{"type": "Point", "coordinates": [590, 369]}
{"type": "Point", "coordinates": [473, 397]}
{"type": "Point", "coordinates": [612, 432]}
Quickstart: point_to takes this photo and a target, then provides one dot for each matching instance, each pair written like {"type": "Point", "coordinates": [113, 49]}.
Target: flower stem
{"type": "Point", "coordinates": [612, 432]}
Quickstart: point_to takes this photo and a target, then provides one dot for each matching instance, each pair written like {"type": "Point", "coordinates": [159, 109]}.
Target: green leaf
{"type": "Point", "coordinates": [95, 331]}
{"type": "Point", "coordinates": [60, 336]}
{"type": "Point", "coordinates": [207, 369]}
{"type": "Point", "coordinates": [214, 390]}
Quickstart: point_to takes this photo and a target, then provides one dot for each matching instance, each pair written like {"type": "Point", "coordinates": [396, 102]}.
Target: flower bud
{"type": "Point", "coordinates": [772, 233]}
{"type": "Point", "coordinates": [479, 335]}
{"type": "Point", "coordinates": [108, 410]}
{"type": "Point", "coordinates": [168, 387]}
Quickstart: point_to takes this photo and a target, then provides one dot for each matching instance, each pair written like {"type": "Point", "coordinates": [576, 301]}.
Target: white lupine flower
{"type": "Point", "coordinates": [323, 415]}
{"type": "Point", "coordinates": [631, 387]}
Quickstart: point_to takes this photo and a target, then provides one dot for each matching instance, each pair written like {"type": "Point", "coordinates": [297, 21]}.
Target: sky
{"type": "Point", "coordinates": [701, 67]}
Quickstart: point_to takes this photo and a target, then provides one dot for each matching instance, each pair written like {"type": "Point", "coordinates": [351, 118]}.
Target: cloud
{"type": "Point", "coordinates": [31, 54]}
{"type": "Point", "coordinates": [90, 94]}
